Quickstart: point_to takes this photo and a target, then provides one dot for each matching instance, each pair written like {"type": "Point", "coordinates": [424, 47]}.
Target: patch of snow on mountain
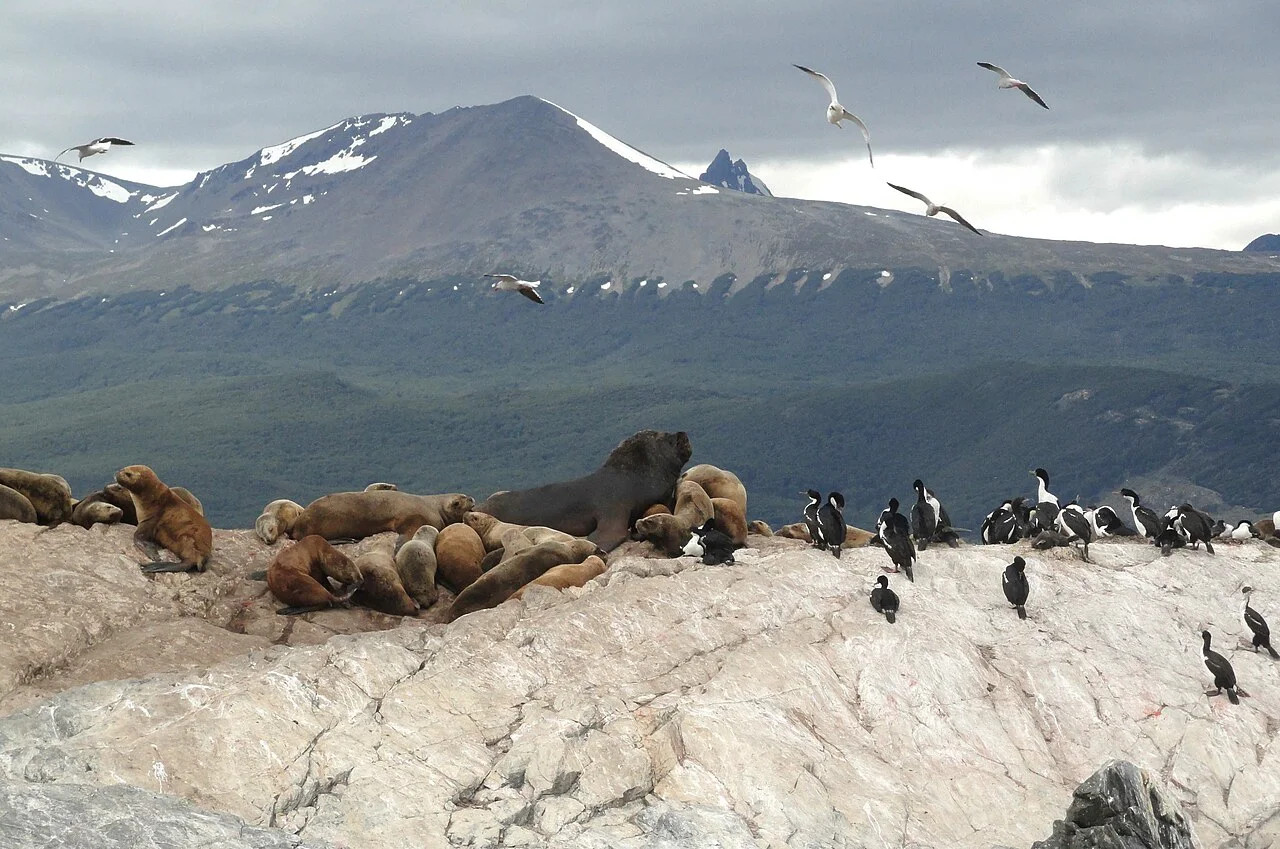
{"type": "Point", "coordinates": [388, 122]}
{"type": "Point", "coordinates": [700, 190]}
{"type": "Point", "coordinates": [208, 227]}
{"type": "Point", "coordinates": [278, 151]}
{"type": "Point", "coordinates": [625, 150]}
{"type": "Point", "coordinates": [37, 167]}
{"type": "Point", "coordinates": [94, 183]}
{"type": "Point", "coordinates": [343, 160]}
{"type": "Point", "coordinates": [257, 210]}
{"type": "Point", "coordinates": [162, 202]}
{"type": "Point", "coordinates": [179, 223]}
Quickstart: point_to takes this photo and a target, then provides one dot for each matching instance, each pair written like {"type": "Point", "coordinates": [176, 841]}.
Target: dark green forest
{"type": "Point", "coordinates": [260, 391]}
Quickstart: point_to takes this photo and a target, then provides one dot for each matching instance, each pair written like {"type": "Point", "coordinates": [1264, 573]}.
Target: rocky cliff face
{"type": "Point", "coordinates": [728, 174]}
{"type": "Point", "coordinates": [665, 704]}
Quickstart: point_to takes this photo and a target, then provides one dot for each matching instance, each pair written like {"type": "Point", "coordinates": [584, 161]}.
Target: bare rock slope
{"type": "Point", "coordinates": [666, 704]}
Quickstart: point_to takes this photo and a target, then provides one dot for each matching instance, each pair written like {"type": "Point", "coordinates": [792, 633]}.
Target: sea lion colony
{"type": "Point", "coordinates": [559, 535]}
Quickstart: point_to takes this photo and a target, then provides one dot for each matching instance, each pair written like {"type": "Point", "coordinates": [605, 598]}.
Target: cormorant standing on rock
{"type": "Point", "coordinates": [1073, 523]}
{"type": "Point", "coordinates": [1224, 677]}
{"type": "Point", "coordinates": [1197, 526]}
{"type": "Point", "coordinates": [897, 539]}
{"type": "Point", "coordinates": [1258, 625]}
{"type": "Point", "coordinates": [831, 526]}
{"type": "Point", "coordinates": [1015, 585]}
{"type": "Point", "coordinates": [1144, 518]}
{"type": "Point", "coordinates": [884, 600]}
{"type": "Point", "coordinates": [811, 516]}
{"type": "Point", "coordinates": [929, 519]}
{"type": "Point", "coordinates": [1046, 510]}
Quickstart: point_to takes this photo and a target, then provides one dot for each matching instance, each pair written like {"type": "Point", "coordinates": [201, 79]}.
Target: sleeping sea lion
{"type": "Point", "coordinates": [458, 555]}
{"type": "Point", "coordinates": [496, 586]}
{"type": "Point", "coordinates": [381, 588]}
{"type": "Point", "coordinates": [718, 483]}
{"type": "Point", "coordinates": [566, 575]}
{"type": "Point", "coordinates": [93, 509]}
{"type": "Point", "coordinates": [356, 515]}
{"type": "Point", "coordinates": [14, 505]}
{"type": "Point", "coordinates": [50, 495]}
{"type": "Point", "coordinates": [416, 565]}
{"type": "Point", "coordinates": [299, 576]}
{"type": "Point", "coordinates": [277, 519]}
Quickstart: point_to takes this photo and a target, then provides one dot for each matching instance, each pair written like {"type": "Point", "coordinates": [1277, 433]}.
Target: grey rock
{"type": "Point", "coordinates": [728, 174]}
{"type": "Point", "coordinates": [1122, 807]}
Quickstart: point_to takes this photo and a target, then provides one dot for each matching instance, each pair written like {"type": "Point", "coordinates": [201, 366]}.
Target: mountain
{"type": "Point", "coordinates": [522, 185]}
{"type": "Point", "coordinates": [726, 173]}
{"type": "Point", "coordinates": [1270, 243]}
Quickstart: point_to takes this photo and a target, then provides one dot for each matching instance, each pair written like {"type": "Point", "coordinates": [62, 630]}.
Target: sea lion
{"type": "Point", "coordinates": [356, 515]}
{"type": "Point", "coordinates": [114, 493]}
{"type": "Point", "coordinates": [669, 532]}
{"type": "Point", "coordinates": [693, 505]}
{"type": "Point", "coordinates": [14, 505]}
{"type": "Point", "coordinates": [166, 520]}
{"type": "Point", "coordinates": [730, 520]}
{"type": "Point", "coordinates": [189, 497]}
{"type": "Point", "coordinates": [50, 495]}
{"type": "Point", "coordinates": [1265, 527]}
{"type": "Point", "coordinates": [381, 588]}
{"type": "Point", "coordinates": [381, 487]}
{"type": "Point", "coordinates": [92, 510]}
{"type": "Point", "coordinates": [458, 555]}
{"type": "Point", "coordinates": [516, 539]}
{"type": "Point", "coordinates": [496, 586]}
{"type": "Point", "coordinates": [718, 483]}
{"type": "Point", "coordinates": [299, 576]}
{"type": "Point", "coordinates": [416, 565]}
{"type": "Point", "coordinates": [655, 509]}
{"type": "Point", "coordinates": [796, 530]}
{"type": "Point", "coordinates": [759, 527]}
{"type": "Point", "coordinates": [491, 559]}
{"type": "Point", "coordinates": [566, 575]}
{"type": "Point", "coordinates": [490, 528]}
{"type": "Point", "coordinates": [639, 472]}
{"type": "Point", "coordinates": [277, 518]}
{"type": "Point", "coordinates": [853, 537]}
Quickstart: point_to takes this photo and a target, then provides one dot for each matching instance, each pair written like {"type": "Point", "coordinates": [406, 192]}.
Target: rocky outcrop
{"type": "Point", "coordinates": [665, 704]}
{"type": "Point", "coordinates": [1268, 243]}
{"type": "Point", "coordinates": [1122, 807]}
{"type": "Point", "coordinates": [726, 173]}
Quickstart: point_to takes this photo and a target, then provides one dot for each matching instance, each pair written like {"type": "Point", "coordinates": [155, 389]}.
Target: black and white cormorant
{"type": "Point", "coordinates": [1016, 588]}
{"type": "Point", "coordinates": [897, 540]}
{"type": "Point", "coordinates": [1144, 518]}
{"type": "Point", "coordinates": [999, 525]}
{"type": "Point", "coordinates": [1046, 509]}
{"type": "Point", "coordinates": [811, 515]}
{"type": "Point", "coordinates": [1073, 524]}
{"type": "Point", "coordinates": [1244, 530]}
{"type": "Point", "coordinates": [831, 526]}
{"type": "Point", "coordinates": [1224, 677]}
{"type": "Point", "coordinates": [1196, 525]}
{"type": "Point", "coordinates": [1107, 524]}
{"type": "Point", "coordinates": [929, 519]}
{"type": "Point", "coordinates": [710, 544]}
{"type": "Point", "coordinates": [1258, 625]}
{"type": "Point", "coordinates": [884, 600]}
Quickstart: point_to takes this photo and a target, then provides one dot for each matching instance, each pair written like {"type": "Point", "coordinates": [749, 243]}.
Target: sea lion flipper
{"type": "Point", "coordinates": [260, 575]}
{"type": "Point", "coordinates": [610, 532]}
{"type": "Point", "coordinates": [168, 566]}
{"type": "Point", "coordinates": [295, 611]}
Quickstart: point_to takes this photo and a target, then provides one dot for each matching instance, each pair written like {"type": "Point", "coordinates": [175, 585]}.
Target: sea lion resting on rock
{"type": "Point", "coordinates": [93, 509]}
{"type": "Point", "coordinates": [114, 493]}
{"type": "Point", "coordinates": [601, 506]}
{"type": "Point", "coordinates": [356, 515]}
{"type": "Point", "coordinates": [669, 533]}
{"type": "Point", "coordinates": [299, 576]}
{"type": "Point", "coordinates": [277, 519]}
{"type": "Point", "coordinates": [517, 539]}
{"type": "Point", "coordinates": [759, 527]}
{"type": "Point", "coordinates": [730, 520]}
{"type": "Point", "coordinates": [416, 565]}
{"type": "Point", "coordinates": [14, 505]}
{"type": "Point", "coordinates": [566, 575]}
{"type": "Point", "coordinates": [853, 537]}
{"type": "Point", "coordinates": [50, 495]}
{"type": "Point", "coordinates": [718, 483]}
{"type": "Point", "coordinates": [381, 588]}
{"type": "Point", "coordinates": [459, 552]}
{"type": "Point", "coordinates": [490, 528]}
{"type": "Point", "coordinates": [496, 586]}
{"type": "Point", "coordinates": [381, 486]}
{"type": "Point", "coordinates": [166, 520]}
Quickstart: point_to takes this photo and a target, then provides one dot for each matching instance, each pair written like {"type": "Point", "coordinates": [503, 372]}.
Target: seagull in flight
{"type": "Point", "coordinates": [837, 113]}
{"type": "Point", "coordinates": [934, 209]}
{"type": "Point", "coordinates": [95, 147]}
{"type": "Point", "coordinates": [1007, 81]}
{"type": "Point", "coordinates": [511, 283]}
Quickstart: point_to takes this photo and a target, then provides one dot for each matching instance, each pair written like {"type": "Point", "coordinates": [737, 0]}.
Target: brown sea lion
{"type": "Point", "coordinates": [1266, 527]}
{"type": "Point", "coordinates": [669, 532]}
{"type": "Point", "coordinates": [693, 505]}
{"type": "Point", "coordinates": [496, 586]}
{"type": "Point", "coordinates": [114, 493]}
{"type": "Point", "coordinates": [356, 515]}
{"type": "Point", "coordinates": [299, 576]}
{"type": "Point", "coordinates": [718, 483]}
{"type": "Point", "coordinates": [14, 505]}
{"type": "Point", "coordinates": [853, 537]}
{"type": "Point", "coordinates": [189, 497]}
{"type": "Point", "coordinates": [566, 575]}
{"type": "Point", "coordinates": [458, 555]}
{"type": "Point", "coordinates": [381, 487]}
{"type": "Point", "coordinates": [49, 494]}
{"type": "Point", "coordinates": [796, 530]}
{"type": "Point", "coordinates": [166, 520]}
{"type": "Point", "coordinates": [601, 506]}
{"type": "Point", "coordinates": [491, 559]}
{"type": "Point", "coordinates": [729, 519]}
{"type": "Point", "coordinates": [277, 519]}
{"type": "Point", "coordinates": [416, 565]}
{"type": "Point", "coordinates": [381, 588]}
{"type": "Point", "coordinates": [516, 539]}
{"type": "Point", "coordinates": [655, 509]}
{"type": "Point", "coordinates": [490, 528]}
{"type": "Point", "coordinates": [759, 527]}
{"type": "Point", "coordinates": [92, 510]}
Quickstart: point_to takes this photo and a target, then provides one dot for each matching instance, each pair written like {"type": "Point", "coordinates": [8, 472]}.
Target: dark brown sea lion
{"type": "Point", "coordinates": [14, 505]}
{"type": "Point", "coordinates": [566, 575]}
{"type": "Point", "coordinates": [356, 515]}
{"type": "Point", "coordinates": [166, 520]}
{"type": "Point", "coordinates": [299, 576]}
{"type": "Point", "coordinates": [729, 519]}
{"type": "Point", "coordinates": [458, 555]}
{"type": "Point", "coordinates": [380, 586]}
{"type": "Point", "coordinates": [416, 565]}
{"type": "Point", "coordinates": [718, 483]}
{"type": "Point", "coordinates": [496, 586]}
{"type": "Point", "coordinates": [49, 494]}
{"type": "Point", "coordinates": [93, 509]}
{"type": "Point", "coordinates": [602, 506]}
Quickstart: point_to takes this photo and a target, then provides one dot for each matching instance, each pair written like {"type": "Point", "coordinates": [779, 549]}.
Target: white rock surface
{"type": "Point", "coordinates": [673, 704]}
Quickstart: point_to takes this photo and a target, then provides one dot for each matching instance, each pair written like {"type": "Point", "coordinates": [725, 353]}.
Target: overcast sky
{"type": "Point", "coordinates": [1162, 127]}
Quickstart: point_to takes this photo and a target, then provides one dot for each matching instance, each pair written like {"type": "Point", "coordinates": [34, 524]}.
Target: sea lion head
{"type": "Point", "coordinates": [665, 532]}
{"type": "Point", "coordinates": [137, 478]}
{"type": "Point", "coordinates": [100, 512]}
{"type": "Point", "coordinates": [651, 450]}
{"type": "Point", "coordinates": [456, 508]}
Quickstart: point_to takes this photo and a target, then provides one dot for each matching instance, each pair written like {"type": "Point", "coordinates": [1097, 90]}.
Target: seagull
{"type": "Point", "coordinates": [511, 283]}
{"type": "Point", "coordinates": [95, 147]}
{"type": "Point", "coordinates": [837, 113]}
{"type": "Point", "coordinates": [1007, 81]}
{"type": "Point", "coordinates": [933, 208]}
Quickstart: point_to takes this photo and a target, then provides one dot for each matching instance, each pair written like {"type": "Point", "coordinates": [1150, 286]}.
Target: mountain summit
{"type": "Point", "coordinates": [726, 173]}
